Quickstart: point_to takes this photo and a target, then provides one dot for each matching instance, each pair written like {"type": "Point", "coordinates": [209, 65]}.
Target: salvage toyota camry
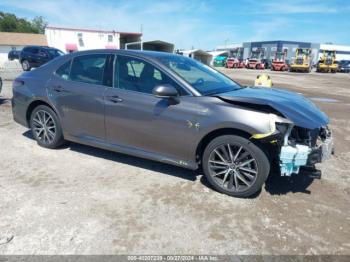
{"type": "Point", "coordinates": [175, 110]}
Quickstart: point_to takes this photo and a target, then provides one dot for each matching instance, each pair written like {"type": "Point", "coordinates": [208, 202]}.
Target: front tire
{"type": "Point", "coordinates": [46, 128]}
{"type": "Point", "coordinates": [235, 166]}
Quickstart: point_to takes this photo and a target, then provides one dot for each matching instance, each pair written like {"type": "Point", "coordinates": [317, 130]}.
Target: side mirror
{"type": "Point", "coordinates": [165, 91]}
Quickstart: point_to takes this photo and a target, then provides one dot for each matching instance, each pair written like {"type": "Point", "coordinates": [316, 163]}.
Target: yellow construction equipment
{"type": "Point", "coordinates": [327, 62]}
{"type": "Point", "coordinates": [302, 61]}
{"type": "Point", "coordinates": [263, 80]}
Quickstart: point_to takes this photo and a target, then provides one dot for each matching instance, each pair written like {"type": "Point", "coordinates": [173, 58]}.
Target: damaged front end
{"type": "Point", "coordinates": [296, 146]}
{"type": "Point", "coordinates": [304, 147]}
{"type": "Point", "coordinates": [297, 131]}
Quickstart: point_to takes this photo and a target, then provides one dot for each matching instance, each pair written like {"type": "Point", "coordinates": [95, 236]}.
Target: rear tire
{"type": "Point", "coordinates": [235, 166]}
{"type": "Point", "coordinates": [26, 66]}
{"type": "Point", "coordinates": [46, 128]}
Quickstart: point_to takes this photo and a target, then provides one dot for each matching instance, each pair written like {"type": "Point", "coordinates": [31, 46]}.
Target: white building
{"type": "Point", "coordinates": [154, 45]}
{"type": "Point", "coordinates": [198, 55]}
{"type": "Point", "coordinates": [16, 41]}
{"type": "Point", "coordinates": [342, 51]}
{"type": "Point", "coordinates": [77, 39]}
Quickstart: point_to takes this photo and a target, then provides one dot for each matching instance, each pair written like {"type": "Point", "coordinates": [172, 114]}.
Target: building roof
{"type": "Point", "coordinates": [92, 30]}
{"type": "Point", "coordinates": [197, 52]}
{"type": "Point", "coordinates": [14, 39]}
{"type": "Point", "coordinates": [218, 53]}
{"type": "Point", "coordinates": [154, 45]}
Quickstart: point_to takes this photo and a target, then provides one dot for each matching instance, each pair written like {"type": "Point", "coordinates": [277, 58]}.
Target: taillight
{"type": "Point", "coordinates": [18, 83]}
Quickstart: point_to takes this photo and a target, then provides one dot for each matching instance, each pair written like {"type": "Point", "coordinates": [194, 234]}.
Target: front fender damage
{"type": "Point", "coordinates": [293, 146]}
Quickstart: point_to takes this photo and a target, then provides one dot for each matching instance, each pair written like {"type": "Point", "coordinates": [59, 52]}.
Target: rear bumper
{"type": "Point", "coordinates": [19, 112]}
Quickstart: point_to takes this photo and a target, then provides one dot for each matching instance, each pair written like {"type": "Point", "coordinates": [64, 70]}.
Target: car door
{"type": "Point", "coordinates": [42, 57]}
{"type": "Point", "coordinates": [135, 119]}
{"type": "Point", "coordinates": [77, 90]}
{"type": "Point", "coordinates": [32, 56]}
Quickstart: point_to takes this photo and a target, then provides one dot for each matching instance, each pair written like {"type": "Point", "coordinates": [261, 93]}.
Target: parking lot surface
{"type": "Point", "coordinates": [82, 200]}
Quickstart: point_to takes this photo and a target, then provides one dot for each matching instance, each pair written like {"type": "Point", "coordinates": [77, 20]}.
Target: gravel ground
{"type": "Point", "coordinates": [82, 200]}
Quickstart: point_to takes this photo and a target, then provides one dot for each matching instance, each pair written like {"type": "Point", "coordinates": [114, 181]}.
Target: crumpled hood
{"type": "Point", "coordinates": [293, 106]}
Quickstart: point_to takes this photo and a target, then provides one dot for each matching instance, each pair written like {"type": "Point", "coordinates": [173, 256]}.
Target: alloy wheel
{"type": "Point", "coordinates": [44, 127]}
{"type": "Point", "coordinates": [233, 167]}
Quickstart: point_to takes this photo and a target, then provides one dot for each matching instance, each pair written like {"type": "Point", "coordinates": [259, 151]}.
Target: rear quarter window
{"type": "Point", "coordinates": [64, 70]}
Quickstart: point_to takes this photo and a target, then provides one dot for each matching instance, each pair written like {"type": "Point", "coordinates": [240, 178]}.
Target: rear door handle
{"type": "Point", "coordinates": [115, 99]}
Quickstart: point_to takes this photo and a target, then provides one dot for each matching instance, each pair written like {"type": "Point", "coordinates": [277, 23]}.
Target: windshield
{"type": "Point", "coordinates": [329, 54]}
{"type": "Point", "coordinates": [279, 57]}
{"type": "Point", "coordinates": [55, 52]}
{"type": "Point", "coordinates": [204, 79]}
{"type": "Point", "coordinates": [255, 55]}
{"type": "Point", "coordinates": [302, 52]}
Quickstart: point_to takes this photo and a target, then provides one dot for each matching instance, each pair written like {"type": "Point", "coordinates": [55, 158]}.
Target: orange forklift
{"type": "Point", "coordinates": [279, 62]}
{"type": "Point", "coordinates": [235, 60]}
{"type": "Point", "coordinates": [256, 60]}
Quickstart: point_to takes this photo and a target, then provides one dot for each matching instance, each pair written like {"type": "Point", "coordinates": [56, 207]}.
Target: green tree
{"type": "Point", "coordinates": [39, 24]}
{"type": "Point", "coordinates": [11, 23]}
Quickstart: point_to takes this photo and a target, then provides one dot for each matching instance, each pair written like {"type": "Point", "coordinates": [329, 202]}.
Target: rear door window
{"type": "Point", "coordinates": [88, 68]}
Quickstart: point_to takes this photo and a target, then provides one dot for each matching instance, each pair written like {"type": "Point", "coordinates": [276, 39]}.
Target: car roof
{"type": "Point", "coordinates": [40, 46]}
{"type": "Point", "coordinates": [139, 53]}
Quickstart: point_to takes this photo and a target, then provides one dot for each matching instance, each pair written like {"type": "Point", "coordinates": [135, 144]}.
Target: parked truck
{"type": "Point", "coordinates": [279, 62]}
{"type": "Point", "coordinates": [302, 61]}
{"type": "Point", "coordinates": [327, 62]}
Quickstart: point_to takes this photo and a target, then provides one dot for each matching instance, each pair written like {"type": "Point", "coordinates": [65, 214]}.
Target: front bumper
{"type": "Point", "coordinates": [322, 152]}
{"type": "Point", "coordinates": [299, 66]}
{"type": "Point", "coordinates": [294, 157]}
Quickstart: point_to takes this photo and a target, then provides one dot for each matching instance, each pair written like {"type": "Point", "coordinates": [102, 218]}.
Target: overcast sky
{"type": "Point", "coordinates": [199, 23]}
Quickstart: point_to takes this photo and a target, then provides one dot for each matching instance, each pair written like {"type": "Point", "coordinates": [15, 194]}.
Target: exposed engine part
{"type": "Point", "coordinates": [303, 147]}
{"type": "Point", "coordinates": [292, 158]}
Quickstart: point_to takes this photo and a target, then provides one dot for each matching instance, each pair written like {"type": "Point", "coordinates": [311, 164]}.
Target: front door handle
{"type": "Point", "coordinates": [115, 99]}
{"type": "Point", "coordinates": [59, 88]}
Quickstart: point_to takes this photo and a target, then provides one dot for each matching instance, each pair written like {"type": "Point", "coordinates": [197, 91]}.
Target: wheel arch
{"type": "Point", "coordinates": [34, 104]}
{"type": "Point", "coordinates": [216, 133]}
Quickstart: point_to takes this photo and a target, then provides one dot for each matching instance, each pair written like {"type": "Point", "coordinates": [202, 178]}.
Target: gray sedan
{"type": "Point", "coordinates": [175, 110]}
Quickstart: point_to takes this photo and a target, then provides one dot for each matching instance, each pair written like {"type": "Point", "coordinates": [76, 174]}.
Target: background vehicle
{"type": "Point", "coordinates": [220, 61]}
{"type": "Point", "coordinates": [233, 62]}
{"type": "Point", "coordinates": [302, 61]}
{"type": "Point", "coordinates": [35, 56]}
{"type": "Point", "coordinates": [236, 59]}
{"type": "Point", "coordinates": [256, 60]}
{"type": "Point", "coordinates": [175, 110]}
{"type": "Point", "coordinates": [344, 66]}
{"type": "Point", "coordinates": [13, 54]}
{"type": "Point", "coordinates": [327, 63]}
{"type": "Point", "coordinates": [279, 62]}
